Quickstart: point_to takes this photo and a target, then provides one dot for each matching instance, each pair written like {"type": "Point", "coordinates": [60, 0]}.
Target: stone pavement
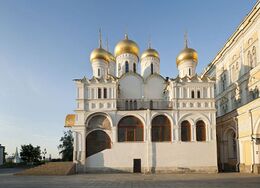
{"type": "Point", "coordinates": [235, 180]}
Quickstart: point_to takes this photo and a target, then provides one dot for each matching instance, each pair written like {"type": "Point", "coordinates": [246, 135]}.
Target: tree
{"type": "Point", "coordinates": [30, 154]}
{"type": "Point", "coordinates": [66, 146]}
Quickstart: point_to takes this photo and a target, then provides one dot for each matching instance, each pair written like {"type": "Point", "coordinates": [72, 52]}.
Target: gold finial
{"type": "Point", "coordinates": [100, 38]}
{"type": "Point", "coordinates": [186, 40]}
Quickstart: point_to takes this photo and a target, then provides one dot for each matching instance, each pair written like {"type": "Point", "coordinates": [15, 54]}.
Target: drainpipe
{"type": "Point", "coordinates": [252, 140]}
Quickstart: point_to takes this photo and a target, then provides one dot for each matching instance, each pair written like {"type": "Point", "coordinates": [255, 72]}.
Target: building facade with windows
{"type": "Point", "coordinates": [143, 122]}
{"type": "Point", "coordinates": [237, 71]}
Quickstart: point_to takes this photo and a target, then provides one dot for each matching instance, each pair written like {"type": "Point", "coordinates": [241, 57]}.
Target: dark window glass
{"type": "Point", "coordinates": [185, 131]}
{"type": "Point", "coordinates": [198, 94]}
{"type": "Point", "coordinates": [99, 93]}
{"type": "Point", "coordinates": [161, 129]}
{"type": "Point", "coordinates": [135, 104]}
{"type": "Point", "coordinates": [151, 104]}
{"type": "Point", "coordinates": [126, 66]}
{"type": "Point", "coordinates": [200, 131]}
{"type": "Point", "coordinates": [151, 68]}
{"type": "Point", "coordinates": [105, 93]}
{"type": "Point", "coordinates": [192, 94]}
{"type": "Point", "coordinates": [98, 72]}
{"type": "Point", "coordinates": [130, 129]}
{"type": "Point", "coordinates": [134, 67]}
{"type": "Point", "coordinates": [126, 105]}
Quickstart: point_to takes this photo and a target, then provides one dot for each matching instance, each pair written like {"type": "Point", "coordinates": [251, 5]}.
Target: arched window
{"type": "Point", "coordinates": [151, 68]}
{"type": "Point", "coordinates": [198, 94]}
{"type": "Point", "coordinates": [130, 129]}
{"type": "Point", "coordinates": [249, 59]}
{"type": "Point", "coordinates": [99, 93]}
{"type": "Point", "coordinates": [105, 93]}
{"type": "Point", "coordinates": [97, 141]}
{"type": "Point", "coordinates": [131, 104]}
{"type": "Point", "coordinates": [151, 104]}
{"type": "Point", "coordinates": [232, 144]}
{"type": "Point", "coordinates": [99, 72]}
{"type": "Point", "coordinates": [254, 56]}
{"type": "Point", "coordinates": [135, 104]}
{"type": "Point", "coordinates": [189, 72]}
{"type": "Point", "coordinates": [161, 129]}
{"type": "Point", "coordinates": [134, 67]}
{"type": "Point", "coordinates": [185, 131]}
{"type": "Point", "coordinates": [126, 66]}
{"type": "Point", "coordinates": [192, 94]}
{"type": "Point", "coordinates": [200, 131]}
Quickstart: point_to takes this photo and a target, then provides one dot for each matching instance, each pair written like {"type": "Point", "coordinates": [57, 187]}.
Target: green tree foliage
{"type": "Point", "coordinates": [30, 154]}
{"type": "Point", "coordinates": [66, 146]}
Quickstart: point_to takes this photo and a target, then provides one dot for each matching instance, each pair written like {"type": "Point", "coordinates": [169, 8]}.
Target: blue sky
{"type": "Point", "coordinates": [45, 44]}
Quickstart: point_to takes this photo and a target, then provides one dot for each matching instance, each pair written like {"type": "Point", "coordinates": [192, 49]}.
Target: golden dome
{"type": "Point", "coordinates": [126, 46]}
{"type": "Point", "coordinates": [100, 53]}
{"type": "Point", "coordinates": [187, 54]}
{"type": "Point", "coordinates": [150, 52]}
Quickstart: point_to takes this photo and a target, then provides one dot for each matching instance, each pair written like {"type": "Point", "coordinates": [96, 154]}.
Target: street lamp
{"type": "Point", "coordinates": [44, 153]}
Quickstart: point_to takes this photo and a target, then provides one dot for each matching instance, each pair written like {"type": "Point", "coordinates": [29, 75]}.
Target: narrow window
{"type": "Point", "coordinates": [105, 93]}
{"type": "Point", "coordinates": [134, 67]}
{"type": "Point", "coordinates": [189, 71]}
{"type": "Point", "coordinates": [126, 104]}
{"type": "Point", "coordinates": [126, 66]}
{"type": "Point", "coordinates": [131, 104]}
{"type": "Point", "coordinates": [198, 94]}
{"type": "Point", "coordinates": [98, 72]}
{"type": "Point", "coordinates": [151, 104]}
{"type": "Point", "coordinates": [192, 94]}
{"type": "Point", "coordinates": [99, 93]}
{"type": "Point", "coordinates": [151, 68]}
{"type": "Point", "coordinates": [135, 104]}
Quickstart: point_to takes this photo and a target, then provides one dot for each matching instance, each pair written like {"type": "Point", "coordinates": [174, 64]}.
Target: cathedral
{"type": "Point", "coordinates": [135, 120]}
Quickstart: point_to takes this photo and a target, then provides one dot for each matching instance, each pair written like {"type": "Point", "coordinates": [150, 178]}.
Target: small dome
{"type": "Point", "coordinates": [187, 54]}
{"type": "Point", "coordinates": [151, 53]}
{"type": "Point", "coordinates": [99, 53]}
{"type": "Point", "coordinates": [126, 46]}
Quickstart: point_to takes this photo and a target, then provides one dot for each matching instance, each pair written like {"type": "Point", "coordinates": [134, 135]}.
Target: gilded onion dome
{"type": "Point", "coordinates": [187, 54]}
{"type": "Point", "coordinates": [150, 52]}
{"type": "Point", "coordinates": [100, 53]}
{"type": "Point", "coordinates": [126, 46]}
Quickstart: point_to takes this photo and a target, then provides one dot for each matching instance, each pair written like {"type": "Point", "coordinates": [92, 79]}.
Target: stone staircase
{"type": "Point", "coordinates": [51, 169]}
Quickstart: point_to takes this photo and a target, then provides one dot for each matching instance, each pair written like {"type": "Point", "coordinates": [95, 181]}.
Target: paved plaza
{"type": "Point", "coordinates": [8, 180]}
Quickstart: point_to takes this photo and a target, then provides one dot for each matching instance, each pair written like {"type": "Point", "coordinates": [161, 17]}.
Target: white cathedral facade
{"type": "Point", "coordinates": [139, 121]}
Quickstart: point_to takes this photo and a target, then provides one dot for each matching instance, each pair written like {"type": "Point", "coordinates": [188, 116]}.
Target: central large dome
{"type": "Point", "coordinates": [126, 46]}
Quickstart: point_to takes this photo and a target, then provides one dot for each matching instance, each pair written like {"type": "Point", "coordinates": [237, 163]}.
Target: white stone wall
{"type": "Point", "coordinates": [187, 68]}
{"type": "Point", "coordinates": [146, 66]}
{"type": "Point", "coordinates": [121, 61]}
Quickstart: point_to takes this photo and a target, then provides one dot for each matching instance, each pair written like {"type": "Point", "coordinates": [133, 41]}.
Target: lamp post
{"type": "Point", "coordinates": [44, 153]}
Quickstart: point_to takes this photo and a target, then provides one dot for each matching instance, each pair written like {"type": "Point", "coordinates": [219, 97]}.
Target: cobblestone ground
{"type": "Point", "coordinates": [7, 180]}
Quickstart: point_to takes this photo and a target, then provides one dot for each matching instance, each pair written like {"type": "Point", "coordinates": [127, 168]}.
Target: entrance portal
{"type": "Point", "coordinates": [137, 166]}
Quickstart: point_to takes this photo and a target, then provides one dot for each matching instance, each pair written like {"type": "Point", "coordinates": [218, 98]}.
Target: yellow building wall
{"type": "Point", "coordinates": [247, 152]}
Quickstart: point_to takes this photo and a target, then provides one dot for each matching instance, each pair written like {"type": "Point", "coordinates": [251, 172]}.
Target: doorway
{"type": "Point", "coordinates": [137, 166]}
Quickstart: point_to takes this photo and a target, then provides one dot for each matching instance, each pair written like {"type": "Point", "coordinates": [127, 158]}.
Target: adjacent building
{"type": "Point", "coordinates": [2, 154]}
{"type": "Point", "coordinates": [237, 71]}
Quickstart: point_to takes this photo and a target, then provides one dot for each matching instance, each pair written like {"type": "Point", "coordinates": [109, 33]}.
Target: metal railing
{"type": "Point", "coordinates": [142, 104]}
